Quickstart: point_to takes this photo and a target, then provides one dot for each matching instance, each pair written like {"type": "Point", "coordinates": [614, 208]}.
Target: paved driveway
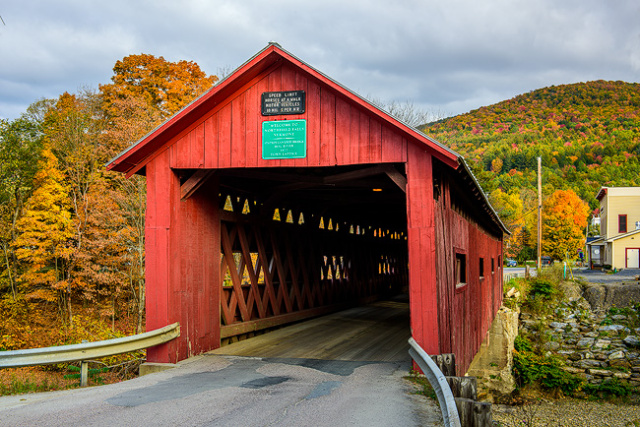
{"type": "Point", "coordinates": [598, 276]}
{"type": "Point", "coordinates": [345, 369]}
{"type": "Point", "coordinates": [214, 390]}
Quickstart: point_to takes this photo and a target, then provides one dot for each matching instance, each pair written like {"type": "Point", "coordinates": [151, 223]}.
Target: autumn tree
{"type": "Point", "coordinates": [71, 128]}
{"type": "Point", "coordinates": [20, 146]}
{"type": "Point", "coordinates": [564, 219]}
{"type": "Point", "coordinates": [162, 85]}
{"type": "Point", "coordinates": [145, 90]}
{"type": "Point", "coordinates": [509, 208]}
{"type": "Point", "coordinates": [45, 238]}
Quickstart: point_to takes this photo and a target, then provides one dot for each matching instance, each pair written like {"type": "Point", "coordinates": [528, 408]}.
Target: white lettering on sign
{"type": "Point", "coordinates": [275, 103]}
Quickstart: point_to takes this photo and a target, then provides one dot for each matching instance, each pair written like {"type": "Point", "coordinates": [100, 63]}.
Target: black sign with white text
{"type": "Point", "coordinates": [277, 103]}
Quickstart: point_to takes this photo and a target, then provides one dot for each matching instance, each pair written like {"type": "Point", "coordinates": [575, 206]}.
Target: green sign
{"type": "Point", "coordinates": [284, 139]}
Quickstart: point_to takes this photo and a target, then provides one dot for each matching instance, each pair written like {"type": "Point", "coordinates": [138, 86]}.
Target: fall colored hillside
{"type": "Point", "coordinates": [588, 135]}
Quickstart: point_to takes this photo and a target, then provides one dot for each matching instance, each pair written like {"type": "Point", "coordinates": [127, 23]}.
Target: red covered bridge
{"type": "Point", "coordinates": [280, 195]}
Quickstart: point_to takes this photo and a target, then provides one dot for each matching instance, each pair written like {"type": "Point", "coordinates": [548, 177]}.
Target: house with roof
{"type": "Point", "coordinates": [619, 243]}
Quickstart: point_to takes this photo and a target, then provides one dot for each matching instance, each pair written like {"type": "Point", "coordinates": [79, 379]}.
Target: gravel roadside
{"type": "Point", "coordinates": [567, 413]}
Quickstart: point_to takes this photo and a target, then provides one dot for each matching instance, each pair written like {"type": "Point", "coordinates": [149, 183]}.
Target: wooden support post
{"type": "Point", "coordinates": [465, 387]}
{"type": "Point", "coordinates": [474, 414]}
{"type": "Point", "coordinates": [84, 373]}
{"type": "Point", "coordinates": [446, 363]}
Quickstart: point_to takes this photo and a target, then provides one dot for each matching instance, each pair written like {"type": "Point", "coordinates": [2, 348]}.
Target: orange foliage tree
{"type": "Point", "coordinates": [72, 234]}
{"type": "Point", "coordinates": [564, 221]}
{"type": "Point", "coordinates": [162, 85]}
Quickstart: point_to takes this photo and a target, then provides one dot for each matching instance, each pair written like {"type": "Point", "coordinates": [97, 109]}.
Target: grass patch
{"type": "Point", "coordinates": [22, 386]}
{"type": "Point", "coordinates": [424, 387]}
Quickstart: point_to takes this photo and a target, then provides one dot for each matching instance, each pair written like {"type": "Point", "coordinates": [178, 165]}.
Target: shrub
{"type": "Point", "coordinates": [529, 367]}
{"type": "Point", "coordinates": [609, 387]}
{"type": "Point", "coordinates": [541, 288]}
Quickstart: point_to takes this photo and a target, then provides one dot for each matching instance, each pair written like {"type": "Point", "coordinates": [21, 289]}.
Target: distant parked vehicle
{"type": "Point", "coordinates": [511, 262]}
{"type": "Point", "coordinates": [546, 260]}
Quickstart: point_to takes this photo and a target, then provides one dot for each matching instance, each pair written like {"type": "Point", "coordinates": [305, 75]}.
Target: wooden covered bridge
{"type": "Point", "coordinates": [280, 195]}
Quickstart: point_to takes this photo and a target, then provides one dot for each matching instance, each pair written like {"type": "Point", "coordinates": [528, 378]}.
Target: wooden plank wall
{"type": "Point", "coordinates": [465, 312]}
{"type": "Point", "coordinates": [182, 247]}
{"type": "Point", "coordinates": [423, 292]}
{"type": "Point", "coordinates": [338, 132]}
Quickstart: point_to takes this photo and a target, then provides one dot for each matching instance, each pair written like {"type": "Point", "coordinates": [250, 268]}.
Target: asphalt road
{"type": "Point", "coordinates": [214, 390]}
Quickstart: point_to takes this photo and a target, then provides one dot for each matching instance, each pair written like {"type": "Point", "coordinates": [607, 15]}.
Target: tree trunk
{"type": "Point", "coordinates": [11, 281]}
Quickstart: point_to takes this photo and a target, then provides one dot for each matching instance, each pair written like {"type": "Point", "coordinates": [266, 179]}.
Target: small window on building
{"type": "Point", "coordinates": [481, 267]}
{"type": "Point", "coordinates": [493, 265]}
{"type": "Point", "coordinates": [461, 270]}
{"type": "Point", "coordinates": [622, 223]}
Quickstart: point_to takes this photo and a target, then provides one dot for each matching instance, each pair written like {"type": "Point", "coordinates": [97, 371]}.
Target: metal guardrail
{"type": "Point", "coordinates": [438, 382]}
{"type": "Point", "coordinates": [86, 351]}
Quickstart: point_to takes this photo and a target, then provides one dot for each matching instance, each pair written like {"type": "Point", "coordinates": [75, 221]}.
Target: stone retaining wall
{"type": "Point", "coordinates": [595, 346]}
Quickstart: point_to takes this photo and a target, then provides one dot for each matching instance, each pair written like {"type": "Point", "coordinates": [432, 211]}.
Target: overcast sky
{"type": "Point", "coordinates": [445, 56]}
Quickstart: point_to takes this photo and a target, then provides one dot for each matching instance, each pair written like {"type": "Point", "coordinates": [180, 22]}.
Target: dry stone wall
{"type": "Point", "coordinates": [595, 346]}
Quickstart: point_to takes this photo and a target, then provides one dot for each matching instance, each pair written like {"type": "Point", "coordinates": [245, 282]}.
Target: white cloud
{"type": "Point", "coordinates": [455, 55]}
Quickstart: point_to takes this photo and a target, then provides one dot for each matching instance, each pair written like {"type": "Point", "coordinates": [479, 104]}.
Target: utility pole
{"type": "Point", "coordinates": [539, 213]}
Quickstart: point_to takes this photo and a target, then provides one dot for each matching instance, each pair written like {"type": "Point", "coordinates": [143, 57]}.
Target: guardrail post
{"type": "Point", "coordinates": [84, 373]}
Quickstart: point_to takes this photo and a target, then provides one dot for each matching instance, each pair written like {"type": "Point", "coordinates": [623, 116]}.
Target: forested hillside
{"type": "Point", "coordinates": [587, 134]}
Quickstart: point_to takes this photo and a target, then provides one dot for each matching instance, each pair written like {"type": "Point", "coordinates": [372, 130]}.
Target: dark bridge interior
{"type": "Point", "coordinates": [298, 243]}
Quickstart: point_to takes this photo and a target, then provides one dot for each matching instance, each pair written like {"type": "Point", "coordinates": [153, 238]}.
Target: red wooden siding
{"type": "Point", "coordinates": [465, 313]}
{"type": "Point", "coordinates": [184, 238]}
{"type": "Point", "coordinates": [181, 272]}
{"type": "Point", "coordinates": [423, 293]}
{"type": "Point", "coordinates": [338, 132]}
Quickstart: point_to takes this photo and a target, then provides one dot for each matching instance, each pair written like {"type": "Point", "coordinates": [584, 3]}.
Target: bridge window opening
{"type": "Point", "coordinates": [481, 267]}
{"type": "Point", "coordinates": [245, 208]}
{"type": "Point", "coordinates": [461, 270]}
{"type": "Point", "coordinates": [228, 205]}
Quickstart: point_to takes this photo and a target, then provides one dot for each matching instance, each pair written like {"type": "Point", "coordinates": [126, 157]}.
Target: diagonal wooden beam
{"type": "Point", "coordinates": [399, 179]}
{"type": "Point", "coordinates": [194, 182]}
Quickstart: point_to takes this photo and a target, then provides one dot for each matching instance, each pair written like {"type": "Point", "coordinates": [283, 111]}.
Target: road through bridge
{"type": "Point", "coordinates": [346, 368]}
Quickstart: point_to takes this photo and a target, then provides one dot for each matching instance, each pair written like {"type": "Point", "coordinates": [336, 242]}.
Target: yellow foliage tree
{"type": "Point", "coordinates": [564, 220]}
{"type": "Point", "coordinates": [509, 207]}
{"type": "Point", "coordinates": [45, 233]}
